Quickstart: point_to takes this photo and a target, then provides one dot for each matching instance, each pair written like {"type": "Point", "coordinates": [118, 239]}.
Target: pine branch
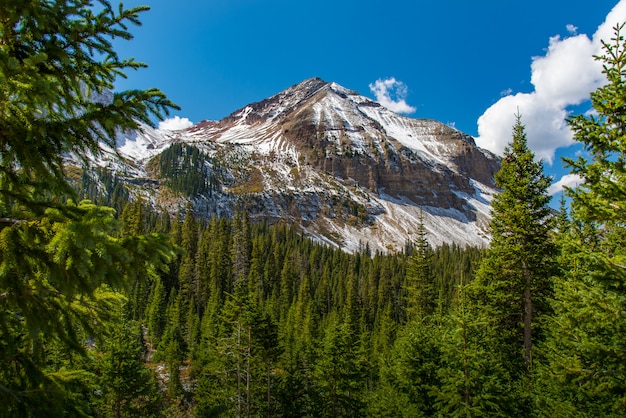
{"type": "Point", "coordinates": [10, 392]}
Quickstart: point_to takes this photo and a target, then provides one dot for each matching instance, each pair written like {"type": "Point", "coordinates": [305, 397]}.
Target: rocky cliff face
{"type": "Point", "coordinates": [348, 170]}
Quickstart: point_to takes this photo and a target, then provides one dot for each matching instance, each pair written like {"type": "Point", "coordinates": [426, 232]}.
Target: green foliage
{"type": "Point", "coordinates": [584, 373]}
{"type": "Point", "coordinates": [187, 170]}
{"type": "Point", "coordinates": [475, 374]}
{"type": "Point", "coordinates": [54, 58]}
{"type": "Point", "coordinates": [514, 280]}
{"type": "Point", "coordinates": [103, 188]}
{"type": "Point", "coordinates": [236, 372]}
{"type": "Point", "coordinates": [155, 313]}
{"type": "Point", "coordinates": [274, 311]}
{"type": "Point", "coordinates": [56, 272]}
{"type": "Point", "coordinates": [252, 319]}
{"type": "Point", "coordinates": [420, 287]}
{"type": "Point", "coordinates": [61, 264]}
{"type": "Point", "coordinates": [409, 377]}
{"type": "Point", "coordinates": [126, 386]}
{"type": "Point", "coordinates": [485, 340]}
{"type": "Point", "coordinates": [602, 195]}
{"type": "Point", "coordinates": [339, 372]}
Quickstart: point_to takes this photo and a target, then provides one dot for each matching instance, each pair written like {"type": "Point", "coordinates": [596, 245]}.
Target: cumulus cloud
{"type": "Point", "coordinates": [568, 180]}
{"type": "Point", "coordinates": [563, 77]}
{"type": "Point", "coordinates": [174, 124]}
{"type": "Point", "coordinates": [392, 93]}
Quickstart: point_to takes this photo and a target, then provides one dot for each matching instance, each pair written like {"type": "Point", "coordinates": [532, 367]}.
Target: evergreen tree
{"type": "Point", "coordinates": [172, 347]}
{"type": "Point", "coordinates": [339, 372]}
{"type": "Point", "coordinates": [241, 249]}
{"type": "Point", "coordinates": [133, 222]}
{"type": "Point", "coordinates": [156, 313]}
{"type": "Point", "coordinates": [187, 280]}
{"type": "Point", "coordinates": [513, 282]}
{"type": "Point", "coordinates": [127, 386]}
{"type": "Point", "coordinates": [56, 257]}
{"type": "Point", "coordinates": [487, 354]}
{"type": "Point", "coordinates": [268, 349]}
{"type": "Point", "coordinates": [53, 273]}
{"type": "Point", "coordinates": [234, 375]}
{"type": "Point", "coordinates": [56, 57]}
{"type": "Point", "coordinates": [409, 375]}
{"type": "Point", "coordinates": [474, 375]}
{"type": "Point", "coordinates": [585, 374]}
{"type": "Point", "coordinates": [420, 287]}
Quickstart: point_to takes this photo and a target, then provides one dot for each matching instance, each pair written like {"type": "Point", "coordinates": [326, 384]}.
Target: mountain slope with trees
{"type": "Point", "coordinates": [344, 168]}
{"type": "Point", "coordinates": [123, 310]}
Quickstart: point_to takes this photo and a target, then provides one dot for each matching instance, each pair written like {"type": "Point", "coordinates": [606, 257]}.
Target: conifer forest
{"type": "Point", "coordinates": [110, 307]}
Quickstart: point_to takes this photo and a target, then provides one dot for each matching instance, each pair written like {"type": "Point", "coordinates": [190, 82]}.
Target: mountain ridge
{"type": "Point", "coordinates": [346, 169]}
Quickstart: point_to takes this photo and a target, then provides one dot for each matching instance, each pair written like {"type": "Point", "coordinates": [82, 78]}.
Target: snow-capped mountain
{"type": "Point", "coordinates": [347, 170]}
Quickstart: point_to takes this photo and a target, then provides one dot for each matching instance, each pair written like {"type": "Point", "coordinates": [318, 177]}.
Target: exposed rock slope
{"type": "Point", "coordinates": [348, 170]}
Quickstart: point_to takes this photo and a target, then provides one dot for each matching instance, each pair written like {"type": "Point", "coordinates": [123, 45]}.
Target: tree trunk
{"type": "Point", "coordinates": [248, 374]}
{"type": "Point", "coordinates": [528, 316]}
{"type": "Point", "coordinates": [269, 382]}
{"type": "Point", "coordinates": [238, 354]}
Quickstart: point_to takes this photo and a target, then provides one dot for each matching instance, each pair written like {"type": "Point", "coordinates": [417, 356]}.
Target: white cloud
{"type": "Point", "coordinates": [174, 124]}
{"type": "Point", "coordinates": [563, 77]}
{"type": "Point", "coordinates": [573, 30]}
{"type": "Point", "coordinates": [545, 125]}
{"type": "Point", "coordinates": [392, 94]}
{"type": "Point", "coordinates": [569, 180]}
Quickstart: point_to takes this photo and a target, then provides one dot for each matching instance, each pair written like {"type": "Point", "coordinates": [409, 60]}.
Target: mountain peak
{"type": "Point", "coordinates": [315, 83]}
{"type": "Point", "coordinates": [344, 168]}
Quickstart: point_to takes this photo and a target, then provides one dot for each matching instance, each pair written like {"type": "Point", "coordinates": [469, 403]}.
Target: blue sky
{"type": "Point", "coordinates": [468, 64]}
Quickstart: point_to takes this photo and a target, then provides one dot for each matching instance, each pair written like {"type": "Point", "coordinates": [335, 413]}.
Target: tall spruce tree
{"type": "Point", "coordinates": [56, 61]}
{"type": "Point", "coordinates": [420, 286]}
{"type": "Point", "coordinates": [513, 281]}
{"type": "Point", "coordinates": [339, 372]}
{"type": "Point", "coordinates": [499, 319]}
{"type": "Point", "coordinates": [585, 373]}
{"type": "Point", "coordinates": [126, 386]}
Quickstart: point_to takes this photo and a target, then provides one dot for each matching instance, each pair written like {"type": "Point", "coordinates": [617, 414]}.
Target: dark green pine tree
{"type": "Point", "coordinates": [339, 372]}
{"type": "Point", "coordinates": [133, 222]}
{"type": "Point", "coordinates": [499, 318]}
{"type": "Point", "coordinates": [473, 377]}
{"type": "Point", "coordinates": [126, 386]}
{"type": "Point", "coordinates": [187, 280]}
{"type": "Point", "coordinates": [172, 347]}
{"type": "Point", "coordinates": [58, 257]}
{"type": "Point", "coordinates": [409, 374]}
{"type": "Point", "coordinates": [420, 287]}
{"type": "Point", "coordinates": [514, 280]}
{"type": "Point", "coordinates": [268, 350]}
{"type": "Point", "coordinates": [585, 373]}
{"type": "Point", "coordinates": [234, 374]}
{"type": "Point", "coordinates": [241, 249]}
{"type": "Point", "coordinates": [155, 313]}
